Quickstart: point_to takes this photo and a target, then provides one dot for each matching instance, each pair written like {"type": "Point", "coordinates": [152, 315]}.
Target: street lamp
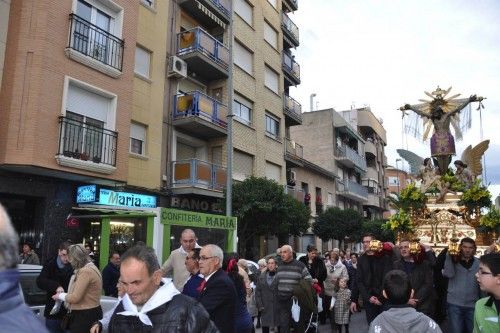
{"type": "Point", "coordinates": [397, 171]}
{"type": "Point", "coordinates": [311, 98]}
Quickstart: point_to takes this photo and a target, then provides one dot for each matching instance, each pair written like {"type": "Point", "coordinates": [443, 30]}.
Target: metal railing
{"type": "Point", "coordinates": [293, 107]}
{"type": "Point", "coordinates": [349, 186]}
{"type": "Point", "coordinates": [293, 149]}
{"type": "Point", "coordinates": [194, 172]}
{"type": "Point", "coordinates": [197, 104]}
{"type": "Point", "coordinates": [198, 40]}
{"type": "Point", "coordinates": [95, 42]}
{"type": "Point", "coordinates": [297, 193]}
{"type": "Point", "coordinates": [289, 26]}
{"type": "Point", "coordinates": [352, 155]}
{"type": "Point", "coordinates": [85, 142]}
{"type": "Point", "coordinates": [223, 5]}
{"type": "Point", "coordinates": [291, 66]}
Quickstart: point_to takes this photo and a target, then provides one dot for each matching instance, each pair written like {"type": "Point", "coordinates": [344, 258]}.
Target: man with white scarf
{"type": "Point", "coordinates": [151, 300]}
{"type": "Point", "coordinates": [175, 264]}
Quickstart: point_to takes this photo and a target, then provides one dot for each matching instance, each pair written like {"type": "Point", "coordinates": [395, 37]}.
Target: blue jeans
{"type": "Point", "coordinates": [54, 326]}
{"type": "Point", "coordinates": [460, 318]}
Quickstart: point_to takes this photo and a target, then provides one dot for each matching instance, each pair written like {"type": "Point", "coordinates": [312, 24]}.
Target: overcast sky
{"type": "Point", "coordinates": [384, 54]}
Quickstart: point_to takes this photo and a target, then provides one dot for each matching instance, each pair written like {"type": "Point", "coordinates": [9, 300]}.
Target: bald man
{"type": "Point", "coordinates": [15, 316]}
{"type": "Point", "coordinates": [175, 264]}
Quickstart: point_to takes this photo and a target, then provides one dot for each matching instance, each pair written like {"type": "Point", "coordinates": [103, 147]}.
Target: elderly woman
{"type": "Point", "coordinates": [265, 296]}
{"type": "Point", "coordinates": [84, 291]}
{"type": "Point", "coordinates": [335, 270]}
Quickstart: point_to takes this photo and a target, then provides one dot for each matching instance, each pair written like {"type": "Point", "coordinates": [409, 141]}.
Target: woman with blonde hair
{"type": "Point", "coordinates": [84, 291]}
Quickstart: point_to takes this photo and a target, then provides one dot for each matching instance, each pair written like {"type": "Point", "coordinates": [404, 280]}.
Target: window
{"type": "Point", "coordinates": [393, 181]}
{"type": "Point", "coordinates": [273, 171]}
{"type": "Point", "coordinates": [142, 61]}
{"type": "Point", "coordinates": [83, 136]}
{"type": "Point", "coordinates": [244, 10]}
{"type": "Point", "coordinates": [242, 165]}
{"type": "Point", "coordinates": [272, 126]}
{"type": "Point", "coordinates": [273, 3]}
{"type": "Point", "coordinates": [243, 58]}
{"type": "Point", "coordinates": [137, 139]}
{"type": "Point", "coordinates": [270, 35]}
{"type": "Point", "coordinates": [271, 79]}
{"type": "Point", "coordinates": [242, 109]}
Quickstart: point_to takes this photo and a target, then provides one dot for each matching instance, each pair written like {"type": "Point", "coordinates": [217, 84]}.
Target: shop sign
{"type": "Point", "coordinates": [182, 217]}
{"type": "Point", "coordinates": [196, 204]}
{"type": "Point", "coordinates": [102, 196]}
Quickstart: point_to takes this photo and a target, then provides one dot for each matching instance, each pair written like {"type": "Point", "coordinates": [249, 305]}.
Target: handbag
{"type": "Point", "coordinates": [65, 321]}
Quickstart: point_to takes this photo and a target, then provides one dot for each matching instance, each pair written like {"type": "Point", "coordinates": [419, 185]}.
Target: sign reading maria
{"type": "Point", "coordinates": [195, 219]}
{"type": "Point", "coordinates": [111, 198]}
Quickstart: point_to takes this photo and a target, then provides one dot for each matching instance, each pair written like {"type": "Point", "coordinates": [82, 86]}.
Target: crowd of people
{"type": "Point", "coordinates": [201, 289]}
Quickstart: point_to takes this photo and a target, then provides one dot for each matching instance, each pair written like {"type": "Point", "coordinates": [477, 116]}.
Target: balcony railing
{"type": "Point", "coordinates": [197, 173]}
{"type": "Point", "coordinates": [293, 149]}
{"type": "Point", "coordinates": [350, 154]}
{"type": "Point", "coordinates": [85, 142]}
{"type": "Point", "coordinates": [290, 28]}
{"type": "Point", "coordinates": [198, 40]}
{"type": "Point", "coordinates": [223, 5]}
{"type": "Point", "coordinates": [197, 104]}
{"type": "Point", "coordinates": [292, 4]}
{"type": "Point", "coordinates": [295, 192]}
{"type": "Point", "coordinates": [350, 187]}
{"type": "Point", "coordinates": [291, 67]}
{"type": "Point", "coordinates": [94, 42]}
{"type": "Point", "coordinates": [292, 108]}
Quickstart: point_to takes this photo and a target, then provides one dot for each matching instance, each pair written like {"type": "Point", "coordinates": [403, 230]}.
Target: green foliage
{"type": "Point", "coordinates": [453, 183]}
{"type": "Point", "coordinates": [411, 197]}
{"type": "Point", "coordinates": [477, 196]}
{"type": "Point", "coordinates": [336, 223]}
{"type": "Point", "coordinates": [263, 208]}
{"type": "Point", "coordinates": [491, 220]}
{"type": "Point", "coordinates": [399, 222]}
{"type": "Point", "coordinates": [375, 227]}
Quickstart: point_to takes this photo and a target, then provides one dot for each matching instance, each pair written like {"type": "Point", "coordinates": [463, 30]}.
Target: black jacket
{"type": "Point", "coordinates": [181, 314]}
{"type": "Point", "coordinates": [370, 275]}
{"type": "Point", "coordinates": [110, 276]}
{"type": "Point", "coordinates": [50, 278]}
{"type": "Point", "coordinates": [317, 269]}
{"type": "Point", "coordinates": [219, 299]}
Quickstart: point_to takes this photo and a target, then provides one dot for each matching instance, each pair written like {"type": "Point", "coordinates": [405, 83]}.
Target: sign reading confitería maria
{"type": "Point", "coordinates": [102, 196]}
{"type": "Point", "coordinates": [182, 217]}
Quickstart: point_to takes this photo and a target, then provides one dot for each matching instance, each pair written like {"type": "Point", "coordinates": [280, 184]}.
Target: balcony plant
{"type": "Point", "coordinates": [307, 198]}
{"type": "Point", "coordinates": [96, 159]}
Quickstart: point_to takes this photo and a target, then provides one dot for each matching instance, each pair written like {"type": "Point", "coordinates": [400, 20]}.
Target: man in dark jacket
{"type": "Point", "coordinates": [15, 316]}
{"type": "Point", "coordinates": [372, 267]}
{"type": "Point", "coordinates": [217, 292]}
{"type": "Point", "coordinates": [160, 303]}
{"type": "Point", "coordinates": [54, 278]}
{"type": "Point", "coordinates": [111, 274]}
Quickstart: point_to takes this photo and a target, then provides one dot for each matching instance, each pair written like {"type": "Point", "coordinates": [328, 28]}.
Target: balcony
{"type": "Point", "coordinates": [200, 115]}
{"type": "Point", "coordinates": [290, 32]}
{"type": "Point", "coordinates": [294, 153]}
{"type": "Point", "coordinates": [292, 110]}
{"type": "Point", "coordinates": [290, 5]}
{"type": "Point", "coordinates": [94, 47]}
{"type": "Point", "coordinates": [87, 147]}
{"type": "Point", "coordinates": [350, 158]}
{"type": "Point", "coordinates": [295, 192]}
{"type": "Point", "coordinates": [352, 190]}
{"type": "Point", "coordinates": [194, 176]}
{"type": "Point", "coordinates": [204, 54]}
{"type": "Point", "coordinates": [371, 173]}
{"type": "Point", "coordinates": [370, 148]}
{"type": "Point", "coordinates": [373, 200]}
{"type": "Point", "coordinates": [291, 69]}
{"type": "Point", "coordinates": [210, 13]}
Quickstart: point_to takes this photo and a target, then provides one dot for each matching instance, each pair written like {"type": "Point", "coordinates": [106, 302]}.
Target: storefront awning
{"type": "Point", "coordinates": [102, 212]}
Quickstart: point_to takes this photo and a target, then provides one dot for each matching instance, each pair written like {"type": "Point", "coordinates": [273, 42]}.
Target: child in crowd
{"type": "Point", "coordinates": [341, 300]}
{"type": "Point", "coordinates": [487, 309]}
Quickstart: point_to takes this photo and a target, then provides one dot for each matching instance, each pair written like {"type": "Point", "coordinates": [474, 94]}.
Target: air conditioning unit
{"type": "Point", "coordinates": [177, 67]}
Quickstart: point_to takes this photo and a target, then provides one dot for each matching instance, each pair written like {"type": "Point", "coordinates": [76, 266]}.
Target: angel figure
{"type": "Point", "coordinates": [440, 113]}
{"type": "Point", "coordinates": [428, 175]}
{"type": "Point", "coordinates": [469, 166]}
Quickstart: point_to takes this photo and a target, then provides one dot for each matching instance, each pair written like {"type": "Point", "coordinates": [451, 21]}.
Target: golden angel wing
{"type": "Point", "coordinates": [472, 157]}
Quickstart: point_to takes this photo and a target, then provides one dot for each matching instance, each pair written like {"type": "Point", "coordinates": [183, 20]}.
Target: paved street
{"type": "Point", "coordinates": [357, 325]}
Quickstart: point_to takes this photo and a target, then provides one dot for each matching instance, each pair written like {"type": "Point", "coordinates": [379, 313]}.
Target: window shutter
{"type": "Point", "coordinates": [87, 103]}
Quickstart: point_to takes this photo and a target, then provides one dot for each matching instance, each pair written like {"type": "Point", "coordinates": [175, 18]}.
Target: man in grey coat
{"type": "Point", "coordinates": [15, 316]}
{"type": "Point", "coordinates": [401, 317]}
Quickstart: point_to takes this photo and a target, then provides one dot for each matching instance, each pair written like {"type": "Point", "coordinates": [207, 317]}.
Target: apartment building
{"type": "Point", "coordinates": [70, 100]}
{"type": "Point", "coordinates": [4, 24]}
{"type": "Point", "coordinates": [349, 144]}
